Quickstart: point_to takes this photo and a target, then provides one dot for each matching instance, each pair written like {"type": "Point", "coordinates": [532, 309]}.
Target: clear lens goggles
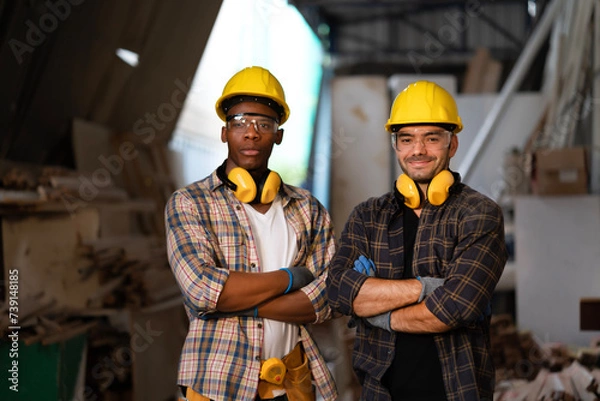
{"type": "Point", "coordinates": [434, 140]}
{"type": "Point", "coordinates": [263, 124]}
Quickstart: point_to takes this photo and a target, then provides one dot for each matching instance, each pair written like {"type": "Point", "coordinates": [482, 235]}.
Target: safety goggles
{"type": "Point", "coordinates": [431, 140]}
{"type": "Point", "coordinates": [263, 124]}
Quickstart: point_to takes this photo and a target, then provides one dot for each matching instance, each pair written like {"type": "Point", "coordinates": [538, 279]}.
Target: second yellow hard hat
{"type": "Point", "coordinates": [424, 102]}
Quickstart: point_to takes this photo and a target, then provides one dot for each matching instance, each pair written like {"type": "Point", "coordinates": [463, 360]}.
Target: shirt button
{"type": "Point", "coordinates": [257, 358]}
{"type": "Point", "coordinates": [238, 207]}
{"type": "Point", "coordinates": [259, 325]}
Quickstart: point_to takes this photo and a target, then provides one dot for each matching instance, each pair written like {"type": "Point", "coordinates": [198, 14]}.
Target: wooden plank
{"type": "Point", "coordinates": [595, 141]}
{"type": "Point", "coordinates": [476, 69]}
{"type": "Point", "coordinates": [491, 78]}
{"type": "Point", "coordinates": [576, 34]}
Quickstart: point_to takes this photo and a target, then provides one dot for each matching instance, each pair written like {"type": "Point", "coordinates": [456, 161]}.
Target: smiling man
{"type": "Point", "coordinates": [416, 267]}
{"type": "Point", "coordinates": [250, 255]}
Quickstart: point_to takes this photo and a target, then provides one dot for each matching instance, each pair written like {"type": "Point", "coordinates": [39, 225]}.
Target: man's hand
{"type": "Point", "coordinates": [381, 321]}
{"type": "Point", "coordinates": [364, 266]}
{"type": "Point", "coordinates": [252, 312]}
{"type": "Point", "coordinates": [429, 284]}
{"type": "Point", "coordinates": [487, 312]}
{"type": "Point", "coordinates": [299, 277]}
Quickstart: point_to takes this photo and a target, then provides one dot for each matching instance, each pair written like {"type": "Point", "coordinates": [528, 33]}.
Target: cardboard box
{"type": "Point", "coordinates": [561, 171]}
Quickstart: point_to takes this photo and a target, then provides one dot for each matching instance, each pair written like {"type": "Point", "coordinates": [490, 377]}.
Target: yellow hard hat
{"type": "Point", "coordinates": [424, 102]}
{"type": "Point", "coordinates": [254, 82]}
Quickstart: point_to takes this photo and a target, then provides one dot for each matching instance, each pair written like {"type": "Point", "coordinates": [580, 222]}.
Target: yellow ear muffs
{"type": "Point", "coordinates": [439, 187]}
{"type": "Point", "coordinates": [270, 187]}
{"type": "Point", "coordinates": [409, 190]}
{"type": "Point", "coordinates": [245, 189]}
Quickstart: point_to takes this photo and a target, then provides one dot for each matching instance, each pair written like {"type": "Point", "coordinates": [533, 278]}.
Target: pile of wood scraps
{"type": "Point", "coordinates": [40, 320]}
{"type": "Point", "coordinates": [526, 369]}
{"type": "Point", "coordinates": [131, 282]}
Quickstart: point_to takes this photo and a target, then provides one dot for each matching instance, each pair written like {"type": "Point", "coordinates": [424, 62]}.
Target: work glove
{"type": "Point", "coordinates": [252, 312]}
{"type": "Point", "coordinates": [299, 276]}
{"type": "Point", "coordinates": [487, 312]}
{"type": "Point", "coordinates": [428, 285]}
{"type": "Point", "coordinates": [364, 266]}
{"type": "Point", "coordinates": [381, 321]}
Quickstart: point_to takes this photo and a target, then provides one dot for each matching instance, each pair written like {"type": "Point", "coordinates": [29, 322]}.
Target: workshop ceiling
{"type": "Point", "coordinates": [414, 36]}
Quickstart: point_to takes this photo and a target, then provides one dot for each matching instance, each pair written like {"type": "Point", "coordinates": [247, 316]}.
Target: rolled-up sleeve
{"type": "Point", "coordinates": [192, 255]}
{"type": "Point", "coordinates": [343, 282]}
{"type": "Point", "coordinates": [479, 258]}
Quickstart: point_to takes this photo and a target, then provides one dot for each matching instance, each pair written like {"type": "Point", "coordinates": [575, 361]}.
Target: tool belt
{"type": "Point", "coordinates": [290, 373]}
{"type": "Point", "coordinates": [191, 395]}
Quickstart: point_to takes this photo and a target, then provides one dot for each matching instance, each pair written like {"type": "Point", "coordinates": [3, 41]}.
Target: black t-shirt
{"type": "Point", "coordinates": [415, 373]}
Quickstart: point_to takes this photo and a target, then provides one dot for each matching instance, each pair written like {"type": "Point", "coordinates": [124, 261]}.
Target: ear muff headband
{"type": "Point", "coordinates": [438, 189]}
{"type": "Point", "coordinates": [246, 189]}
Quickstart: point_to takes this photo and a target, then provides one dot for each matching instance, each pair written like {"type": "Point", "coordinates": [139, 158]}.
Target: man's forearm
{"type": "Point", "coordinates": [245, 290]}
{"type": "Point", "coordinates": [381, 295]}
{"type": "Point", "coordinates": [290, 308]}
{"type": "Point", "coordinates": [416, 319]}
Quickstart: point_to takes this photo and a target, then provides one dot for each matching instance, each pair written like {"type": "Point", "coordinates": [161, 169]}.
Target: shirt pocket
{"type": "Point", "coordinates": [232, 249]}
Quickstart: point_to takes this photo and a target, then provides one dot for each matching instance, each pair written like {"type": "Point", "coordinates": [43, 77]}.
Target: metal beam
{"type": "Point", "coordinates": [510, 86]}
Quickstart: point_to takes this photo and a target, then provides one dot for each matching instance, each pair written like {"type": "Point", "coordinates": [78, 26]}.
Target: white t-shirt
{"type": "Point", "coordinates": [276, 242]}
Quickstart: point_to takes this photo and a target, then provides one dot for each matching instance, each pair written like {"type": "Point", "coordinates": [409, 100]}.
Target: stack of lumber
{"type": "Point", "coordinates": [526, 369]}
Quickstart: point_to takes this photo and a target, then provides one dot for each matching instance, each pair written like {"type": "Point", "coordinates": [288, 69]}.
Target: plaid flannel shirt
{"type": "Point", "coordinates": [208, 235]}
{"type": "Point", "coordinates": [462, 241]}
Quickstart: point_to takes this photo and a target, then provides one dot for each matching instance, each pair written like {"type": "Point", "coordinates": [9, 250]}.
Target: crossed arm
{"type": "Point", "coordinates": [396, 304]}
{"type": "Point", "coordinates": [379, 296]}
{"type": "Point", "coordinates": [212, 291]}
{"type": "Point", "coordinates": [243, 292]}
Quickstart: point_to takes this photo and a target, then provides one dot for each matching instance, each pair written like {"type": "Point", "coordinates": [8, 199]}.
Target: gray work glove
{"type": "Point", "coordinates": [429, 284]}
{"type": "Point", "coordinates": [299, 277]}
{"type": "Point", "coordinates": [381, 321]}
{"type": "Point", "coordinates": [252, 312]}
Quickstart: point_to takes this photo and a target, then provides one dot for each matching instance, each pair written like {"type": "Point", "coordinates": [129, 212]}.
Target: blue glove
{"type": "Point", "coordinates": [364, 266]}
{"type": "Point", "coordinates": [429, 284]}
{"type": "Point", "coordinates": [252, 312]}
{"type": "Point", "coordinates": [299, 277]}
{"type": "Point", "coordinates": [381, 321]}
{"type": "Point", "coordinates": [487, 312]}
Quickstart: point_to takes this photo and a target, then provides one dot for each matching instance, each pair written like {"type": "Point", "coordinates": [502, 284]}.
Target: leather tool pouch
{"type": "Point", "coordinates": [297, 381]}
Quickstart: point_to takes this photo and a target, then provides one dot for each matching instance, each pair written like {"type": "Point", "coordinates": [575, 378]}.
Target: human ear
{"type": "Point", "coordinates": [279, 136]}
{"type": "Point", "coordinates": [224, 134]}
